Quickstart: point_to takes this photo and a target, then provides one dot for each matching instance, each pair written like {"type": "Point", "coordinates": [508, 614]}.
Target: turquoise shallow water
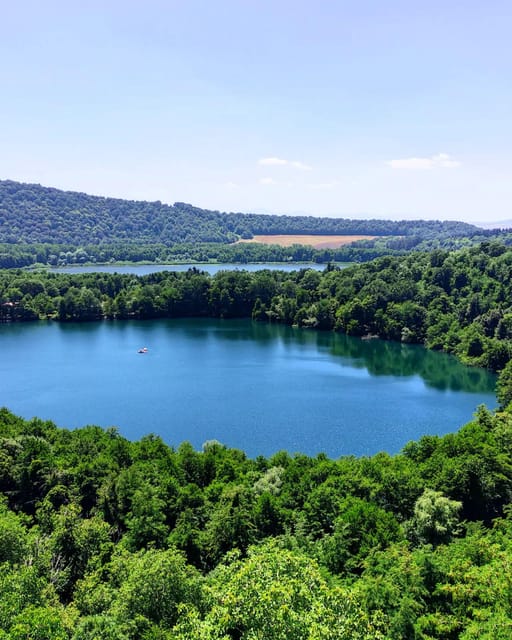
{"type": "Point", "coordinates": [258, 387]}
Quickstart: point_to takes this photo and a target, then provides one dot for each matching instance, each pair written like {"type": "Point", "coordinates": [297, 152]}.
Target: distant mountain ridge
{"type": "Point", "coordinates": [498, 224]}
{"type": "Point", "coordinates": [31, 213]}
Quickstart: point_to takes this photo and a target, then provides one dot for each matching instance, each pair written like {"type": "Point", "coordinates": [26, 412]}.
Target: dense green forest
{"type": "Point", "coordinates": [27, 255]}
{"type": "Point", "coordinates": [458, 302]}
{"type": "Point", "coordinates": [31, 213]}
{"type": "Point", "coordinates": [40, 225]}
{"type": "Point", "coordinates": [111, 539]}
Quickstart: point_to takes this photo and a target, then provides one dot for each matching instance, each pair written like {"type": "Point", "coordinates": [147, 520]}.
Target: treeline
{"type": "Point", "coordinates": [40, 225]}
{"type": "Point", "coordinates": [30, 213]}
{"type": "Point", "coordinates": [118, 540]}
{"type": "Point", "coordinates": [17, 256]}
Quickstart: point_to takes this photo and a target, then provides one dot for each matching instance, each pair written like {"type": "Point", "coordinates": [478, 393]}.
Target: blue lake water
{"type": "Point", "coordinates": [258, 387]}
{"type": "Point", "coordinates": [212, 269]}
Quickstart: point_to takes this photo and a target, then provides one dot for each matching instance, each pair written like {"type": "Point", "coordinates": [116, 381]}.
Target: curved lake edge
{"type": "Point", "coordinates": [368, 338]}
{"type": "Point", "coordinates": [349, 368]}
{"type": "Point", "coordinates": [146, 268]}
{"type": "Point", "coordinates": [139, 269]}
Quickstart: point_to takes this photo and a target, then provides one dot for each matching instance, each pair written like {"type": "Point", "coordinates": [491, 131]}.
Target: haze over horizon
{"type": "Point", "coordinates": [351, 109]}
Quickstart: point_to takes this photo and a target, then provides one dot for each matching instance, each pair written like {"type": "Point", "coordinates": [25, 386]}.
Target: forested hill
{"type": "Point", "coordinates": [30, 213]}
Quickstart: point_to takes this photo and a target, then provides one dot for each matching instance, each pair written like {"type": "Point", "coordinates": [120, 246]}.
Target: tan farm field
{"type": "Point", "coordinates": [318, 242]}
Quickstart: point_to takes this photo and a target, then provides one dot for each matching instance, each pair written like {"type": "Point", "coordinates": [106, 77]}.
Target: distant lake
{"type": "Point", "coordinates": [212, 269]}
{"type": "Point", "coordinates": [255, 386]}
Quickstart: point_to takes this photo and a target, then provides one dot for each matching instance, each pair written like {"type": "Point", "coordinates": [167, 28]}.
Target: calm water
{"type": "Point", "coordinates": [212, 269]}
{"type": "Point", "coordinates": [255, 386]}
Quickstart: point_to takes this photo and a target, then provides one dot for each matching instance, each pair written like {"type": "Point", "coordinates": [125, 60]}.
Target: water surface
{"type": "Point", "coordinates": [212, 269]}
{"type": "Point", "coordinates": [258, 387]}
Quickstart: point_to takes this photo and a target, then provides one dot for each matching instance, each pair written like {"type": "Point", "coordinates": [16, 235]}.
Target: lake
{"type": "Point", "coordinates": [212, 269]}
{"type": "Point", "coordinates": [255, 386]}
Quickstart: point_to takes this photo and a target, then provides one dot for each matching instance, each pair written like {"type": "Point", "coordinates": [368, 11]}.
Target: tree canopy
{"type": "Point", "coordinates": [101, 537]}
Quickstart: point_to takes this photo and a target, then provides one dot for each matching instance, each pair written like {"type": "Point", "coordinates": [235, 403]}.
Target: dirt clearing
{"type": "Point", "coordinates": [318, 242]}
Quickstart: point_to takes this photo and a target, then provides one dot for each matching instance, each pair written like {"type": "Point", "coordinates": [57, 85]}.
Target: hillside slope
{"type": "Point", "coordinates": [30, 213]}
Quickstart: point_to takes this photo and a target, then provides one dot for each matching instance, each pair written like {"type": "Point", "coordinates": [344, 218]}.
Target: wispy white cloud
{"type": "Point", "coordinates": [267, 162]}
{"type": "Point", "coordinates": [281, 162]}
{"type": "Point", "coordinates": [323, 186]}
{"type": "Point", "coordinates": [300, 165]}
{"type": "Point", "coordinates": [444, 160]}
{"type": "Point", "coordinates": [441, 160]}
{"type": "Point", "coordinates": [267, 181]}
{"type": "Point", "coordinates": [231, 185]}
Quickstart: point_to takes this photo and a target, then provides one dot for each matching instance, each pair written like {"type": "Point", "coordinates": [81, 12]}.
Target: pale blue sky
{"type": "Point", "coordinates": [355, 108]}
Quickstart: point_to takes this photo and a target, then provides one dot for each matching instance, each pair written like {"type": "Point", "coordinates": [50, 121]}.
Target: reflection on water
{"type": "Point", "coordinates": [259, 387]}
{"type": "Point", "coordinates": [379, 357]}
{"type": "Point", "coordinates": [438, 370]}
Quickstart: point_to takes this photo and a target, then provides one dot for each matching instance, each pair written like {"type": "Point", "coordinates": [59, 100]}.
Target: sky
{"type": "Point", "coordinates": [351, 108]}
